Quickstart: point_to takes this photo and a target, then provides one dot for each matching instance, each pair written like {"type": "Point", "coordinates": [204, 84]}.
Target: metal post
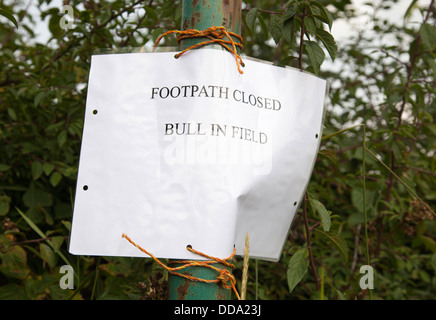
{"type": "Point", "coordinates": [203, 14]}
{"type": "Point", "coordinates": [184, 289]}
{"type": "Point", "coordinates": [200, 15]}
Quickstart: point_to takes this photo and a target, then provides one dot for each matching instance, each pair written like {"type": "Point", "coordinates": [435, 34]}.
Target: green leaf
{"type": "Point", "coordinates": [42, 235]}
{"type": "Point", "coordinates": [56, 242]}
{"type": "Point", "coordinates": [69, 172]}
{"type": "Point", "coordinates": [62, 138]}
{"type": "Point", "coordinates": [4, 167]}
{"type": "Point", "coordinates": [36, 169]}
{"type": "Point", "coordinates": [316, 295]}
{"type": "Point", "coordinates": [430, 126]}
{"type": "Point", "coordinates": [67, 225]}
{"type": "Point", "coordinates": [36, 197]}
{"type": "Point", "coordinates": [428, 35]}
{"type": "Point", "coordinates": [54, 126]}
{"type": "Point", "coordinates": [37, 287]}
{"type": "Point", "coordinates": [341, 296]}
{"type": "Point", "coordinates": [276, 28]}
{"type": "Point", "coordinates": [328, 41]}
{"type": "Point", "coordinates": [357, 198]}
{"type": "Point", "coordinates": [14, 263]}
{"type": "Point", "coordinates": [31, 224]}
{"type": "Point", "coordinates": [9, 16]}
{"type": "Point", "coordinates": [428, 242]}
{"type": "Point", "coordinates": [325, 14]}
{"type": "Point", "coordinates": [297, 268]}
{"type": "Point", "coordinates": [310, 25]}
{"type": "Point", "coordinates": [27, 147]}
{"type": "Point", "coordinates": [289, 14]}
{"type": "Point", "coordinates": [431, 61]}
{"type": "Point", "coordinates": [409, 10]}
{"type": "Point", "coordinates": [55, 178]}
{"type": "Point", "coordinates": [47, 255]}
{"type": "Point", "coordinates": [288, 30]}
{"type": "Point", "coordinates": [4, 204]}
{"type": "Point", "coordinates": [337, 240]}
{"type": "Point", "coordinates": [323, 214]}
{"type": "Point", "coordinates": [251, 17]}
{"type": "Point", "coordinates": [151, 13]}
{"type": "Point", "coordinates": [48, 168]}
{"type": "Point", "coordinates": [316, 55]}
{"type": "Point", "coordinates": [53, 24]}
{"type": "Point", "coordinates": [13, 291]}
{"type": "Point", "coordinates": [38, 98]}
{"type": "Point", "coordinates": [155, 33]}
{"type": "Point", "coordinates": [264, 27]}
{"type": "Point", "coordinates": [12, 114]}
{"type": "Point", "coordinates": [116, 268]}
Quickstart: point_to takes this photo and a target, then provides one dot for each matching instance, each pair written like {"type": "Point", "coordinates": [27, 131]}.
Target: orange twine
{"type": "Point", "coordinates": [224, 275]}
{"type": "Point", "coordinates": [215, 35]}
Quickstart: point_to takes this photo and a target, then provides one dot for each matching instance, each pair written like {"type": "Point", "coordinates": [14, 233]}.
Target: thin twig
{"type": "Point", "coordinates": [245, 267]}
{"type": "Point", "coordinates": [365, 215]}
{"type": "Point", "coordinates": [356, 249]}
{"type": "Point", "coordinates": [309, 246]}
{"type": "Point", "coordinates": [34, 241]}
{"type": "Point", "coordinates": [300, 57]}
{"type": "Point", "coordinates": [402, 182]}
{"type": "Point", "coordinates": [270, 12]}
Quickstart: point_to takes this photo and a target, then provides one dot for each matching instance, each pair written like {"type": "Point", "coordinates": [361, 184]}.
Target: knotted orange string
{"type": "Point", "coordinates": [224, 276]}
{"type": "Point", "coordinates": [215, 35]}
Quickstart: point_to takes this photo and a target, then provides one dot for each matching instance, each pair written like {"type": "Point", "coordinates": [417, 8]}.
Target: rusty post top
{"type": "Point", "coordinates": [203, 14]}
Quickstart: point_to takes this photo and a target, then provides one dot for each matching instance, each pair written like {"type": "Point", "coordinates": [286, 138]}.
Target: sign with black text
{"type": "Point", "coordinates": [187, 151]}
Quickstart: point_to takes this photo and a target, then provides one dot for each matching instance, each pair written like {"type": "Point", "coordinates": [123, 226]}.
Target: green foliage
{"type": "Point", "coordinates": [309, 19]}
{"type": "Point", "coordinates": [297, 268]}
{"type": "Point", "coordinates": [382, 80]}
{"type": "Point", "coordinates": [42, 99]}
{"type": "Point", "coordinates": [9, 16]}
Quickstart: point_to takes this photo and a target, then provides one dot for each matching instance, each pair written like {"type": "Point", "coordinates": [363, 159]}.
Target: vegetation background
{"type": "Point", "coordinates": [371, 194]}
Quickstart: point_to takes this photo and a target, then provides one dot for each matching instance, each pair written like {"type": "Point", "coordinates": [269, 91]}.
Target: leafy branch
{"type": "Point", "coordinates": [309, 17]}
{"type": "Point", "coordinates": [424, 31]}
{"type": "Point", "coordinates": [9, 16]}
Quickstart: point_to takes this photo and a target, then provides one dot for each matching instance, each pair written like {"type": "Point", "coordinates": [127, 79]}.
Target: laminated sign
{"type": "Point", "coordinates": [187, 151]}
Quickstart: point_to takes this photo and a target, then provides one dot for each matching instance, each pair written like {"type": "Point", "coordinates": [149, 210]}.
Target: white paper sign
{"type": "Point", "coordinates": [187, 151]}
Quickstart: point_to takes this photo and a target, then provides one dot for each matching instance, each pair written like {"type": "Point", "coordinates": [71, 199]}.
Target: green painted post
{"type": "Point", "coordinates": [203, 14]}
{"type": "Point", "coordinates": [200, 15]}
{"type": "Point", "coordinates": [184, 289]}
